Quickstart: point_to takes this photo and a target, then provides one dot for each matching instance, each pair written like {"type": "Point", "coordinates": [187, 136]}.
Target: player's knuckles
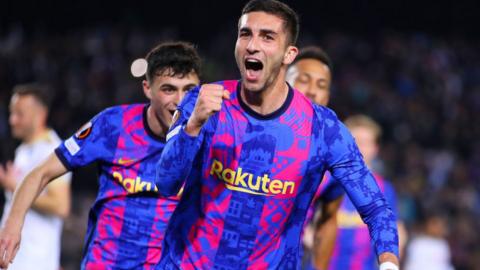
{"type": "Point", "coordinates": [205, 100]}
{"type": "Point", "coordinates": [216, 107]}
{"type": "Point", "coordinates": [214, 90]}
{"type": "Point", "coordinates": [215, 100]}
{"type": "Point", "coordinates": [211, 87]}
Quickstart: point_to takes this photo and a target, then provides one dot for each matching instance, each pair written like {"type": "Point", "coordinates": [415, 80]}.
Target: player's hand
{"type": "Point", "coordinates": [209, 101]}
{"type": "Point", "coordinates": [8, 176]}
{"type": "Point", "coordinates": [9, 244]}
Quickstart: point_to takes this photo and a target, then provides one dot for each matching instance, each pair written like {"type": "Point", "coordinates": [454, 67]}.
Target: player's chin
{"type": "Point", "coordinates": [17, 133]}
{"type": "Point", "coordinates": [252, 85]}
{"type": "Point", "coordinates": [165, 115]}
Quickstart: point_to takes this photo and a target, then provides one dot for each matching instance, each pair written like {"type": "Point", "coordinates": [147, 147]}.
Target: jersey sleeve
{"type": "Point", "coordinates": [391, 197]}
{"type": "Point", "coordinates": [331, 190]}
{"type": "Point", "coordinates": [180, 150]}
{"type": "Point", "coordinates": [346, 165]}
{"type": "Point", "coordinates": [92, 142]}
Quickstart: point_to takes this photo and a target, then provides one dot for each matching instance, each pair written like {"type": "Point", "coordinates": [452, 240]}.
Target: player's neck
{"type": "Point", "coordinates": [37, 134]}
{"type": "Point", "coordinates": [268, 100]}
{"type": "Point", "coordinates": [155, 124]}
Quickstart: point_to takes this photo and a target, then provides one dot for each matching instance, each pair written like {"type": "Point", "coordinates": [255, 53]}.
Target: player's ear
{"type": "Point", "coordinates": [146, 89]}
{"type": "Point", "coordinates": [290, 55]}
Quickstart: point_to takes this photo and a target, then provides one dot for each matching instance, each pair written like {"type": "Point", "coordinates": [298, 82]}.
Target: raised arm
{"type": "Point", "coordinates": [23, 199]}
{"type": "Point", "coordinates": [185, 138]}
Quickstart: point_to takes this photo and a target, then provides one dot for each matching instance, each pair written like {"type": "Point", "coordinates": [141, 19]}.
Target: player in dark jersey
{"type": "Point", "coordinates": [128, 219]}
{"type": "Point", "coordinates": [311, 74]}
{"type": "Point", "coordinates": [253, 153]}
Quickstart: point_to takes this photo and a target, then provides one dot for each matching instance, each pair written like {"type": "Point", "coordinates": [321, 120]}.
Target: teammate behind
{"type": "Point", "coordinates": [128, 219]}
{"type": "Point", "coordinates": [311, 74]}
{"type": "Point", "coordinates": [353, 249]}
{"type": "Point", "coordinates": [253, 153]}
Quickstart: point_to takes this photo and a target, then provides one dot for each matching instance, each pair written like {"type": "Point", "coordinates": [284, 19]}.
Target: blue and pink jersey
{"type": "Point", "coordinates": [250, 180]}
{"type": "Point", "coordinates": [327, 191]}
{"type": "Point", "coordinates": [353, 248]}
{"type": "Point", "coordinates": [127, 222]}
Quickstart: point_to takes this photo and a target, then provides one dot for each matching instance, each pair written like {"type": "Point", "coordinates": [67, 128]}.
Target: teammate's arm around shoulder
{"type": "Point", "coordinates": [23, 198]}
{"type": "Point", "coordinates": [185, 137]}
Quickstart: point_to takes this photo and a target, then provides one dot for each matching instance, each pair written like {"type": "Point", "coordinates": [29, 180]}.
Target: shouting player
{"type": "Point", "coordinates": [253, 153]}
{"type": "Point", "coordinates": [128, 219]}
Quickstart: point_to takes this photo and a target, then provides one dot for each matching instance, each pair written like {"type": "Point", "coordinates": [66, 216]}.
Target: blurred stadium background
{"type": "Point", "coordinates": [414, 66]}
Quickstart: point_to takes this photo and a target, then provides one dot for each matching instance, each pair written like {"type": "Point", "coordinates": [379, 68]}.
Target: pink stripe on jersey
{"type": "Point", "coordinates": [362, 241]}
{"type": "Point", "coordinates": [128, 116]}
{"type": "Point", "coordinates": [289, 163]}
{"type": "Point", "coordinates": [154, 251]}
{"type": "Point", "coordinates": [230, 85]}
{"type": "Point", "coordinates": [109, 228]}
{"type": "Point", "coordinates": [205, 235]}
{"type": "Point", "coordinates": [206, 232]}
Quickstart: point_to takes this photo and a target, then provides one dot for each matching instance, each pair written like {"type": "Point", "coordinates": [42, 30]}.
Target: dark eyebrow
{"type": "Point", "coordinates": [245, 29]}
{"type": "Point", "coordinates": [267, 32]}
{"type": "Point", "coordinates": [167, 85]}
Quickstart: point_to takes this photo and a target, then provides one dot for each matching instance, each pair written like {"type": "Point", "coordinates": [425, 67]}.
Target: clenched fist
{"type": "Point", "coordinates": [209, 101]}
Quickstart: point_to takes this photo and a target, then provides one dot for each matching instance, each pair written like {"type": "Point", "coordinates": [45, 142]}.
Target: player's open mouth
{"type": "Point", "coordinates": [253, 68]}
{"type": "Point", "coordinates": [172, 112]}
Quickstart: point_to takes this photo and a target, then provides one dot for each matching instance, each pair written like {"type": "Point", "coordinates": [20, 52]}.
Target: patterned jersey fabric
{"type": "Point", "coordinates": [250, 180]}
{"type": "Point", "coordinates": [127, 222]}
{"type": "Point", "coordinates": [327, 191]}
{"type": "Point", "coordinates": [353, 248]}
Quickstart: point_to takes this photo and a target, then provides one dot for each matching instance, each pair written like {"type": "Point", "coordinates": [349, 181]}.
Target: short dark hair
{"type": "Point", "coordinates": [38, 91]}
{"type": "Point", "coordinates": [314, 52]}
{"type": "Point", "coordinates": [178, 58]}
{"type": "Point", "coordinates": [277, 8]}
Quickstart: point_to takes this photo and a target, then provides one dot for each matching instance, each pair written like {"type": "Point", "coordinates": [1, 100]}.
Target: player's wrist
{"type": "Point", "coordinates": [192, 128]}
{"type": "Point", "coordinates": [388, 266]}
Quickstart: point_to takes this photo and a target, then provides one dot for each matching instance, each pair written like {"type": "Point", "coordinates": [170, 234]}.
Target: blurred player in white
{"type": "Point", "coordinates": [41, 234]}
